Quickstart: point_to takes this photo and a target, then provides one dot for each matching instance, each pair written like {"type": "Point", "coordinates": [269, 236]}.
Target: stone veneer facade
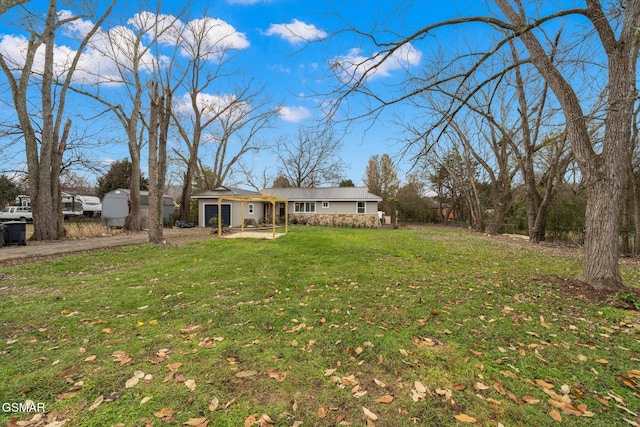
{"type": "Point", "coordinates": [336, 220]}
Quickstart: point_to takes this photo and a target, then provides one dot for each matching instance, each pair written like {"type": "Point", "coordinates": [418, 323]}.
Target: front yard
{"type": "Point", "coordinates": [320, 327]}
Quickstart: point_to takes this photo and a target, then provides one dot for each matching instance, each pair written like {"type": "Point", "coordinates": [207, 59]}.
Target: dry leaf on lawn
{"type": "Point", "coordinates": [555, 415]}
{"type": "Point", "coordinates": [165, 412]}
{"type": "Point", "coordinates": [215, 404]}
{"type": "Point", "coordinates": [465, 418]}
{"type": "Point", "coordinates": [369, 414]}
{"type": "Point", "coordinates": [198, 422]}
{"type": "Point", "coordinates": [387, 398]}
{"type": "Point", "coordinates": [132, 382]}
{"type": "Point", "coordinates": [245, 374]}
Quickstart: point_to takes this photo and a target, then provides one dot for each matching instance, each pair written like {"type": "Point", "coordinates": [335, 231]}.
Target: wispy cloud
{"type": "Point", "coordinates": [294, 114]}
{"type": "Point", "coordinates": [296, 32]}
{"type": "Point", "coordinates": [353, 65]}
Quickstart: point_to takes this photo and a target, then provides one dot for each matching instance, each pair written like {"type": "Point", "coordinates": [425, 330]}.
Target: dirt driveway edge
{"type": "Point", "coordinates": [42, 250]}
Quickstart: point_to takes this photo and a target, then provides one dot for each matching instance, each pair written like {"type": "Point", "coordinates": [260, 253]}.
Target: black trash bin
{"type": "Point", "coordinates": [15, 233]}
{"type": "Point", "coordinates": [1, 235]}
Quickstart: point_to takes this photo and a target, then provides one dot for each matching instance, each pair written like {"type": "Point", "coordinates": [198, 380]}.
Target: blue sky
{"type": "Point", "coordinates": [288, 45]}
{"type": "Point", "coordinates": [285, 45]}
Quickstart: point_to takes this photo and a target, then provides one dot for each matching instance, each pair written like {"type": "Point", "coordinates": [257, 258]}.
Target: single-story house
{"type": "Point", "coordinates": [331, 206]}
{"type": "Point", "coordinates": [238, 207]}
{"type": "Point", "coordinates": [115, 207]}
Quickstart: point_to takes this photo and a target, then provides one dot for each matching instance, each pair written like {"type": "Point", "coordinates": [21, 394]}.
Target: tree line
{"type": "Point", "coordinates": [546, 93]}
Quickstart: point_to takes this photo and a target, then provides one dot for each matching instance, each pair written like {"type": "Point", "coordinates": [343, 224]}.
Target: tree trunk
{"type": "Point", "coordinates": [601, 171]}
{"type": "Point", "coordinates": [155, 217]}
{"type": "Point", "coordinates": [134, 220]}
{"type": "Point", "coordinates": [636, 214]}
{"type": "Point", "coordinates": [600, 264]}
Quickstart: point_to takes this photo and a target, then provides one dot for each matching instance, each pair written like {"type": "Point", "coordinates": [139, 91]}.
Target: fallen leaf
{"type": "Point", "coordinates": [555, 415]}
{"type": "Point", "coordinates": [122, 357]}
{"type": "Point", "coordinates": [190, 328]}
{"type": "Point", "coordinates": [96, 403]}
{"type": "Point", "coordinates": [322, 413]}
{"type": "Point", "coordinates": [420, 388]}
{"type": "Point", "coordinates": [191, 384]}
{"type": "Point", "coordinates": [329, 372]}
{"type": "Point", "coordinates": [199, 422]}
{"type": "Point", "coordinates": [370, 415]}
{"type": "Point", "coordinates": [90, 358]}
{"type": "Point", "coordinates": [529, 400]}
{"type": "Point", "coordinates": [66, 395]}
{"type": "Point", "coordinates": [132, 382]}
{"type": "Point", "coordinates": [229, 403]}
{"type": "Point", "coordinates": [387, 398]}
{"type": "Point", "coordinates": [215, 403]}
{"type": "Point", "coordinates": [245, 374]}
{"type": "Point", "coordinates": [627, 381]}
{"type": "Point", "coordinates": [465, 418]}
{"type": "Point", "coordinates": [173, 367]}
{"type": "Point", "coordinates": [544, 384]}
{"type": "Point", "coordinates": [145, 400]}
{"type": "Point", "coordinates": [379, 383]}
{"type": "Point", "coordinates": [480, 386]}
{"type": "Point", "coordinates": [250, 420]}
{"type": "Point", "coordinates": [165, 412]}
{"type": "Point", "coordinates": [277, 375]}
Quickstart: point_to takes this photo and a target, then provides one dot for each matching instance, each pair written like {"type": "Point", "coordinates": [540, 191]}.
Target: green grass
{"type": "Point", "coordinates": [299, 328]}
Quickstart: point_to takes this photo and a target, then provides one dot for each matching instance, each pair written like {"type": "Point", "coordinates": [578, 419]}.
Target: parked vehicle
{"type": "Point", "coordinates": [91, 205]}
{"type": "Point", "coordinates": [16, 213]}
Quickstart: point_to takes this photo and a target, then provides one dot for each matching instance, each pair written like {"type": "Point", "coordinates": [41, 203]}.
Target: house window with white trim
{"type": "Point", "coordinates": [251, 208]}
{"type": "Point", "coordinates": [325, 205]}
{"type": "Point", "coordinates": [304, 207]}
{"type": "Point", "coordinates": [361, 207]}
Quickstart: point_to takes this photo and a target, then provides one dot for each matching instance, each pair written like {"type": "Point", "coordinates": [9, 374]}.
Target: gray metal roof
{"type": "Point", "coordinates": [324, 194]}
{"type": "Point", "coordinates": [225, 191]}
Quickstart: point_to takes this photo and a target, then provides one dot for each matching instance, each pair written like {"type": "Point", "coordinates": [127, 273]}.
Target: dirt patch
{"type": "Point", "coordinates": [252, 235]}
{"type": "Point", "coordinates": [573, 288]}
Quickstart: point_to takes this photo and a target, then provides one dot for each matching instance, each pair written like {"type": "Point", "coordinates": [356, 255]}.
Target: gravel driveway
{"type": "Point", "coordinates": [38, 250]}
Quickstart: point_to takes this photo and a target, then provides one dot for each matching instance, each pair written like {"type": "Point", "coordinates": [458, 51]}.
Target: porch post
{"type": "Point", "coordinates": [219, 216]}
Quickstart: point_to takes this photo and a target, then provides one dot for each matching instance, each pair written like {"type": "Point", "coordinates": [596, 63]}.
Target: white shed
{"type": "Point", "coordinates": [115, 207]}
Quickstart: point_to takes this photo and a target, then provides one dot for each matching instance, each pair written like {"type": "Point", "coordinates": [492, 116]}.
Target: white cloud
{"type": "Point", "coordinates": [112, 50]}
{"type": "Point", "coordinates": [354, 64]}
{"type": "Point", "coordinates": [226, 106]}
{"type": "Point", "coordinates": [294, 114]}
{"type": "Point", "coordinates": [296, 32]}
{"type": "Point", "coordinates": [280, 69]}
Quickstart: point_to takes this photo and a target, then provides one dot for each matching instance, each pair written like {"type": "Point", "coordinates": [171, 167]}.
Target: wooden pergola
{"type": "Point", "coordinates": [265, 198]}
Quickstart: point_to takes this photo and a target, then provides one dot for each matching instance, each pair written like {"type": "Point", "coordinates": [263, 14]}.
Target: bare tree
{"type": "Point", "coordinates": [5, 5]}
{"type": "Point", "coordinates": [312, 159]}
{"type": "Point", "coordinates": [45, 143]}
{"type": "Point", "coordinates": [132, 68]}
{"type": "Point", "coordinates": [158, 128]}
{"type": "Point", "coordinates": [614, 31]}
{"type": "Point", "coordinates": [381, 179]}
{"type": "Point", "coordinates": [230, 126]}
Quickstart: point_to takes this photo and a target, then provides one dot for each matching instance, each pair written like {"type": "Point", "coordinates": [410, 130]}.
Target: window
{"type": "Point", "coordinates": [362, 207]}
{"type": "Point", "coordinates": [304, 207]}
{"type": "Point", "coordinates": [325, 205]}
{"type": "Point", "coordinates": [251, 208]}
